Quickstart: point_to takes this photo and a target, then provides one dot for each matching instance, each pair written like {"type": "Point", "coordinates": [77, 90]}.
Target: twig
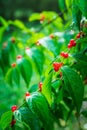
{"type": "Point", "coordinates": [46, 24]}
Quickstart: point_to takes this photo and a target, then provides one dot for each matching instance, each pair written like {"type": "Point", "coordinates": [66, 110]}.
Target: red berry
{"type": "Point", "coordinates": [14, 108]}
{"type": "Point", "coordinates": [13, 39]}
{"type": "Point", "coordinates": [13, 122]}
{"type": "Point", "coordinates": [72, 42]}
{"type": "Point", "coordinates": [40, 86]}
{"type": "Point", "coordinates": [57, 66]}
{"type": "Point", "coordinates": [13, 65]}
{"type": "Point", "coordinates": [69, 46]}
{"type": "Point", "coordinates": [78, 35]}
{"type": "Point", "coordinates": [42, 17]}
{"type": "Point", "coordinates": [27, 94]}
{"type": "Point", "coordinates": [19, 57]}
{"type": "Point", "coordinates": [66, 55]}
{"type": "Point", "coordinates": [51, 36]}
{"type": "Point", "coordinates": [63, 54]}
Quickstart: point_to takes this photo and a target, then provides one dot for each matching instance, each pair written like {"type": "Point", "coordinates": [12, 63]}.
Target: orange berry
{"type": "Point", "coordinates": [13, 64]}
{"type": "Point", "coordinates": [40, 86]}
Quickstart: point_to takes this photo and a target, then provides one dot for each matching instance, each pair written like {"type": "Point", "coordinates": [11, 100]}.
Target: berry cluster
{"type": "Point", "coordinates": [64, 55]}
{"type": "Point", "coordinates": [72, 43]}
{"type": "Point", "coordinates": [80, 34]}
{"type": "Point", "coordinates": [57, 66]}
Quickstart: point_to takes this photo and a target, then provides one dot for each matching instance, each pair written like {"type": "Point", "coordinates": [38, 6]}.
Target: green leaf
{"type": "Point", "coordinates": [74, 85]}
{"type": "Point", "coordinates": [2, 30]}
{"type": "Point", "coordinates": [25, 68]}
{"type": "Point", "coordinates": [38, 58]}
{"type": "Point", "coordinates": [81, 64]}
{"type": "Point", "coordinates": [13, 76]}
{"type": "Point", "coordinates": [18, 24]}
{"type": "Point", "coordinates": [56, 84]}
{"type": "Point", "coordinates": [46, 89]}
{"type": "Point", "coordinates": [59, 96]}
{"type": "Point", "coordinates": [84, 113]}
{"type": "Point", "coordinates": [62, 4]}
{"type": "Point", "coordinates": [1, 74]}
{"type": "Point", "coordinates": [77, 15]}
{"type": "Point", "coordinates": [3, 21]}
{"type": "Point", "coordinates": [82, 4]}
{"type": "Point", "coordinates": [81, 58]}
{"type": "Point", "coordinates": [25, 115]}
{"type": "Point", "coordinates": [6, 120]}
{"type": "Point", "coordinates": [38, 104]}
{"type": "Point", "coordinates": [51, 44]}
{"type": "Point", "coordinates": [35, 16]}
{"type": "Point", "coordinates": [5, 55]}
{"type": "Point", "coordinates": [68, 4]}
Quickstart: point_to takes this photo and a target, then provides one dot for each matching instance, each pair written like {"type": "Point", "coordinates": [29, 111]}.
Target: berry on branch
{"type": "Point", "coordinates": [57, 66]}
{"type": "Point", "coordinates": [65, 55]}
{"type": "Point", "coordinates": [14, 108]}
{"type": "Point", "coordinates": [27, 94]}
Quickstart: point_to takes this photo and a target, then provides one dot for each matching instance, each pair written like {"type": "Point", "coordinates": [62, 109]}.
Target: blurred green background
{"type": "Point", "coordinates": [22, 9]}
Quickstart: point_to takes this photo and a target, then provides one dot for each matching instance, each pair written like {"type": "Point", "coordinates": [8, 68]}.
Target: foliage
{"type": "Point", "coordinates": [43, 69]}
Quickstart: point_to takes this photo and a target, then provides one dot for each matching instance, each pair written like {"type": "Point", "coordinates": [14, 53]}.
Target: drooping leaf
{"type": "Point", "coordinates": [38, 57]}
{"type": "Point", "coordinates": [62, 4]}
{"type": "Point", "coordinates": [84, 113]}
{"type": "Point", "coordinates": [76, 15]}
{"type": "Point", "coordinates": [81, 58]}
{"type": "Point", "coordinates": [25, 68]}
{"type": "Point", "coordinates": [3, 21]}
{"type": "Point", "coordinates": [6, 120]}
{"type": "Point", "coordinates": [2, 30]}
{"type": "Point", "coordinates": [1, 74]}
{"type": "Point", "coordinates": [38, 104]}
{"type": "Point", "coordinates": [81, 64]}
{"type": "Point", "coordinates": [82, 4]}
{"type": "Point", "coordinates": [47, 89]}
{"type": "Point", "coordinates": [18, 24]}
{"type": "Point", "coordinates": [74, 85]}
{"type": "Point", "coordinates": [56, 84]}
{"type": "Point", "coordinates": [5, 55]}
{"type": "Point", "coordinates": [51, 45]}
{"type": "Point", "coordinates": [13, 77]}
{"type": "Point", "coordinates": [25, 115]}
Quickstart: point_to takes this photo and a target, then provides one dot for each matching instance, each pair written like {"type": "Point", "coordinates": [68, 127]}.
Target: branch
{"type": "Point", "coordinates": [46, 24]}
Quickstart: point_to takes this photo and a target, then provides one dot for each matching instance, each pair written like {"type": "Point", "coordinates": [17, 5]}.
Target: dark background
{"type": "Point", "coordinates": [22, 9]}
